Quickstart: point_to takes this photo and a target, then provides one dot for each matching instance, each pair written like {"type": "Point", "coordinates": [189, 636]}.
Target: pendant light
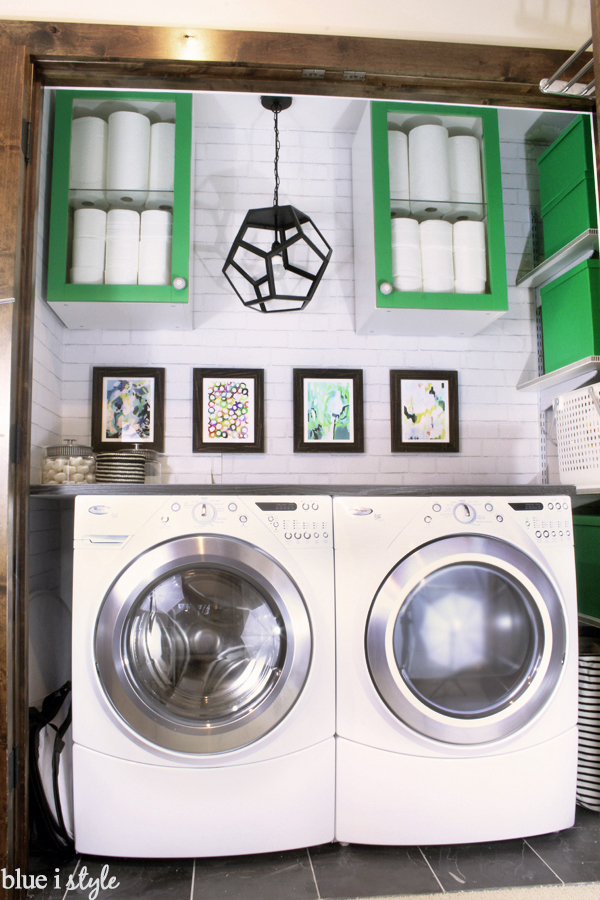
{"type": "Point", "coordinates": [279, 255]}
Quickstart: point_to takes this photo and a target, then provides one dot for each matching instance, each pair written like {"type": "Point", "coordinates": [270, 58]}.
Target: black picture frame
{"type": "Point", "coordinates": [349, 421]}
{"type": "Point", "coordinates": [114, 387]}
{"type": "Point", "coordinates": [420, 427]}
{"type": "Point", "coordinates": [205, 438]}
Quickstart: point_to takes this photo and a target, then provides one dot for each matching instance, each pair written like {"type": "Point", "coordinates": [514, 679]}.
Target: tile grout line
{"type": "Point", "coordinates": [431, 870]}
{"type": "Point", "coordinates": [556, 875]}
{"type": "Point", "coordinates": [193, 880]}
{"type": "Point", "coordinates": [312, 869]}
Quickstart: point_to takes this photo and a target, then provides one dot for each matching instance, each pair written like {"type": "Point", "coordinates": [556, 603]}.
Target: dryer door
{"type": "Point", "coordinates": [466, 639]}
{"type": "Point", "coordinates": [203, 644]}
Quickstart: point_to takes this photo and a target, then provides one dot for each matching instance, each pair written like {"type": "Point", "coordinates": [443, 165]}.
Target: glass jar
{"type": "Point", "coordinates": [69, 463]}
{"type": "Point", "coordinates": [153, 466]}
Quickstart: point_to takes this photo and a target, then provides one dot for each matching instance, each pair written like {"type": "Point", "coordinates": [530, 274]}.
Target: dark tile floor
{"type": "Point", "coordinates": [333, 872]}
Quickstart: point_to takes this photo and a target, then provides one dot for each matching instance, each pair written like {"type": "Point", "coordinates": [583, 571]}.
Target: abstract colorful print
{"type": "Point", "coordinates": [328, 409]}
{"type": "Point", "coordinates": [424, 410]}
{"type": "Point", "coordinates": [228, 410]}
{"type": "Point", "coordinates": [128, 409]}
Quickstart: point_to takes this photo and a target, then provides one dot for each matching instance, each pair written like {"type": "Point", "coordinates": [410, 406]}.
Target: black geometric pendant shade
{"type": "Point", "coordinates": [279, 255]}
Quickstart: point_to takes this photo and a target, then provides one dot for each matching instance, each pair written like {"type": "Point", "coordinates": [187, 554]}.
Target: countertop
{"type": "Point", "coordinates": [361, 490]}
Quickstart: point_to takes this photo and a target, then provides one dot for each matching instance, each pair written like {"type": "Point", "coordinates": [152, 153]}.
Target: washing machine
{"type": "Point", "coordinates": [456, 624]}
{"type": "Point", "coordinates": [203, 674]}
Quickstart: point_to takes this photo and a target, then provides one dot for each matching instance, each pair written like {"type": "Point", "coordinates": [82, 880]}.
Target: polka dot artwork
{"type": "Point", "coordinates": [228, 411]}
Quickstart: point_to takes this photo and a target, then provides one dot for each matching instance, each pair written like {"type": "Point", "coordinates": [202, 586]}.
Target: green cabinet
{"type": "Point", "coordinates": [586, 533]}
{"type": "Point", "coordinates": [382, 308]}
{"type": "Point", "coordinates": [126, 157]}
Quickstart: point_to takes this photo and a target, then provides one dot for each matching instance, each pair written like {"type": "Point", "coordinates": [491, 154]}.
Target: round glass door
{"type": "Point", "coordinates": [466, 639]}
{"type": "Point", "coordinates": [203, 644]}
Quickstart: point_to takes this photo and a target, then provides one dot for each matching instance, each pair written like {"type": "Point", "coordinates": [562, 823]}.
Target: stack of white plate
{"type": "Point", "coordinates": [588, 764]}
{"type": "Point", "coordinates": [120, 467]}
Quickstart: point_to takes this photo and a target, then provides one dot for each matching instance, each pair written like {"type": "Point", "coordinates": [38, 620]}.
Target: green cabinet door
{"type": "Point", "coordinates": [380, 306]}
{"type": "Point", "coordinates": [164, 301]}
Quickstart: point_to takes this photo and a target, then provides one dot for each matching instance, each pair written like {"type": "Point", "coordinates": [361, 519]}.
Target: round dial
{"type": "Point", "coordinates": [464, 513]}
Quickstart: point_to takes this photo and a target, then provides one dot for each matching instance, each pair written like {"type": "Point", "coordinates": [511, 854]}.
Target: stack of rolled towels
{"type": "Point", "coordinates": [125, 162]}
{"type": "Point", "coordinates": [125, 165]}
{"type": "Point", "coordinates": [406, 255]}
{"type": "Point", "coordinates": [121, 246]}
{"type": "Point", "coordinates": [437, 256]}
{"type": "Point", "coordinates": [433, 175]}
{"type": "Point", "coordinates": [435, 238]}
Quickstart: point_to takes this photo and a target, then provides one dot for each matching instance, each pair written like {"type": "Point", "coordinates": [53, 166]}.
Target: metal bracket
{"type": "Point", "coordinates": [13, 769]}
{"type": "Point", "coordinates": [26, 139]}
{"type": "Point", "coordinates": [313, 73]}
{"type": "Point", "coordinates": [576, 87]}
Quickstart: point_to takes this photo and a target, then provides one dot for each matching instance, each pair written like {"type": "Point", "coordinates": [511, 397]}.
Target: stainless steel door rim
{"type": "Point", "coordinates": [527, 602]}
{"type": "Point", "coordinates": [118, 653]}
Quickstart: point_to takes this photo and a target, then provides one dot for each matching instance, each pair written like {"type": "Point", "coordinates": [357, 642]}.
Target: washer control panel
{"type": "Point", "coordinates": [299, 521]}
{"type": "Point", "coordinates": [303, 522]}
{"type": "Point", "coordinates": [547, 520]}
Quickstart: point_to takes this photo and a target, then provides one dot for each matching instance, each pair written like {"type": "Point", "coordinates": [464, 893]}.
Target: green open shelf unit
{"type": "Point", "coordinates": [59, 290]}
{"type": "Point", "coordinates": [495, 297]}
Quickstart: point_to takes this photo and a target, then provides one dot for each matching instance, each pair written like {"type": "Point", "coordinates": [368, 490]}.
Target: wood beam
{"type": "Point", "coordinates": [195, 58]}
{"type": "Point", "coordinates": [16, 202]}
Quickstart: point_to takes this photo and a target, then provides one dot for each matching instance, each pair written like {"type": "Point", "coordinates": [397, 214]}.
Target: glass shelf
{"type": "Point", "coordinates": [449, 210]}
{"type": "Point", "coordinates": [85, 198]}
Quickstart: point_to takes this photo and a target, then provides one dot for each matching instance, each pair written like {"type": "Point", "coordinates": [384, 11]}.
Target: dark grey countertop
{"type": "Point", "coordinates": [361, 490]}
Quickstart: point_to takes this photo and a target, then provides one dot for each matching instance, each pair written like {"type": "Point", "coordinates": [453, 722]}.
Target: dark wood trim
{"type": "Point", "coordinates": [22, 378]}
{"type": "Point", "coordinates": [17, 200]}
{"type": "Point", "coordinates": [12, 164]}
{"type": "Point", "coordinates": [115, 56]}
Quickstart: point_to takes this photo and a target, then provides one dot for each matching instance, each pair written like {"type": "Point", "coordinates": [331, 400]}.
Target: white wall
{"type": "Point", "coordinates": [49, 333]}
{"type": "Point", "coordinates": [524, 23]}
{"type": "Point", "coordinates": [233, 172]}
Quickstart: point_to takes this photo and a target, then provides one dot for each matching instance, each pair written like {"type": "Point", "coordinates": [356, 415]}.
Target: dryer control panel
{"type": "Point", "coordinates": [301, 522]}
{"type": "Point", "coordinates": [546, 520]}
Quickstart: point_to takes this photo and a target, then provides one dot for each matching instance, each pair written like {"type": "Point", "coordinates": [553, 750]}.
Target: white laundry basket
{"type": "Point", "coordinates": [577, 419]}
{"type": "Point", "coordinates": [588, 763]}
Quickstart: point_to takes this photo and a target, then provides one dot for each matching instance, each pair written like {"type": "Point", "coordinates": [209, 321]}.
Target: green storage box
{"type": "Point", "coordinates": [568, 186]}
{"type": "Point", "coordinates": [571, 213]}
{"type": "Point", "coordinates": [571, 315]}
{"type": "Point", "coordinates": [586, 533]}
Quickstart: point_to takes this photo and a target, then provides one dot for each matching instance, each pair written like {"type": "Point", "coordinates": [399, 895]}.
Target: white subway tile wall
{"type": "Point", "coordinates": [499, 426]}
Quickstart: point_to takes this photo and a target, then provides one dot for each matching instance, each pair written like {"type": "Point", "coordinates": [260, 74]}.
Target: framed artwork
{"type": "Point", "coordinates": [424, 411]}
{"type": "Point", "coordinates": [228, 411]}
{"type": "Point", "coordinates": [328, 411]}
{"type": "Point", "coordinates": [128, 407]}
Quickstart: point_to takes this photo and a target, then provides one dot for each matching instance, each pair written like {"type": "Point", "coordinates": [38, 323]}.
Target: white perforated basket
{"type": "Point", "coordinates": [577, 419]}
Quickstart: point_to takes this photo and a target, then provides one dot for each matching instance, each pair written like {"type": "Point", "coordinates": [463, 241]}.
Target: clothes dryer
{"type": "Point", "coordinates": [203, 674]}
{"type": "Point", "coordinates": [456, 668]}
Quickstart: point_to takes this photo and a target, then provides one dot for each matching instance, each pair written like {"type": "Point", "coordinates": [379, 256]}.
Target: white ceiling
{"type": "Point", "coordinates": [562, 24]}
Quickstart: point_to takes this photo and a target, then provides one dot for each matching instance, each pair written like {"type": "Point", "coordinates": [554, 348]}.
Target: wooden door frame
{"type": "Point", "coordinates": [70, 54]}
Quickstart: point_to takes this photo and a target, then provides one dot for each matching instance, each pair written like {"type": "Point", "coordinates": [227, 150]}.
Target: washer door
{"type": "Point", "coordinates": [466, 639]}
{"type": "Point", "coordinates": [203, 644]}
